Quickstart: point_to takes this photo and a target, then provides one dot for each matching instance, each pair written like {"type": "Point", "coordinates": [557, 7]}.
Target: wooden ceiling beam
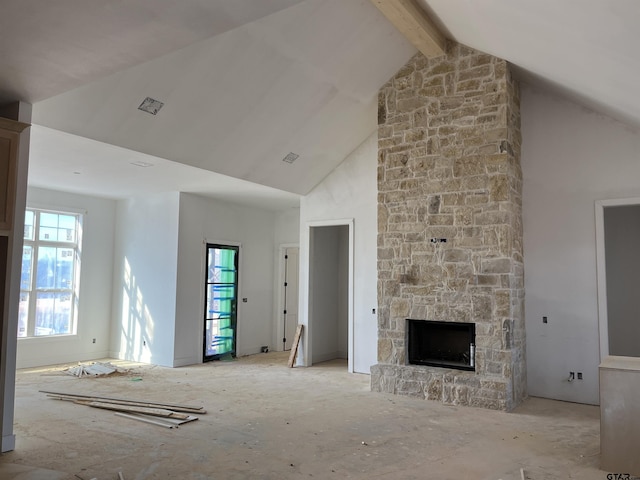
{"type": "Point", "coordinates": [414, 23]}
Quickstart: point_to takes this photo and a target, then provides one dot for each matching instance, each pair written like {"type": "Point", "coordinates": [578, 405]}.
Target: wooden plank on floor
{"type": "Point", "coordinates": [71, 397]}
{"type": "Point", "coordinates": [152, 421]}
{"type": "Point", "coordinates": [177, 421]}
{"type": "Point", "coordinates": [294, 346]}
{"type": "Point", "coordinates": [172, 406]}
{"type": "Point", "coordinates": [156, 412]}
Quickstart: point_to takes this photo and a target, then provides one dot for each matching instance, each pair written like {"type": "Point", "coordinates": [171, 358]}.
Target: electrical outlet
{"type": "Point", "coordinates": [544, 320]}
{"type": "Point", "coordinates": [94, 341]}
{"type": "Point", "coordinates": [579, 375]}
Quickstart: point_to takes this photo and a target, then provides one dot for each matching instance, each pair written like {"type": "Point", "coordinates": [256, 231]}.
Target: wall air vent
{"type": "Point", "coordinates": [290, 158]}
{"type": "Point", "coordinates": [151, 105]}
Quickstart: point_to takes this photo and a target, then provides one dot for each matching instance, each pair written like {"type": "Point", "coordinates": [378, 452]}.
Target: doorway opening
{"type": "Point", "coordinates": [221, 305]}
{"type": "Point", "coordinates": [330, 329]}
{"type": "Point", "coordinates": [618, 263]}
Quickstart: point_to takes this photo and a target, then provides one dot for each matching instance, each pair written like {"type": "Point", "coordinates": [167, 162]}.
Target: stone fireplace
{"type": "Point", "coordinates": [450, 229]}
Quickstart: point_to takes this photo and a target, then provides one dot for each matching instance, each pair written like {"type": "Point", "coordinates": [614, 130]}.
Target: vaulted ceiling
{"type": "Point", "coordinates": [243, 82]}
{"type": "Point", "coordinates": [246, 82]}
{"type": "Point", "coordinates": [586, 50]}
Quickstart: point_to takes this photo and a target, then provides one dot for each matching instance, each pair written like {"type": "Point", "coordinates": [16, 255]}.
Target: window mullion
{"type": "Point", "coordinates": [31, 308]}
{"type": "Point", "coordinates": [31, 317]}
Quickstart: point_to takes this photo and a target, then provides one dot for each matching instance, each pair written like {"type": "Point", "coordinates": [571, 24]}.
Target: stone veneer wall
{"type": "Point", "coordinates": [449, 167]}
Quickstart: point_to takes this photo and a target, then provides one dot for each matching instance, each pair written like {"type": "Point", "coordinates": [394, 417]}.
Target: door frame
{"type": "Point", "coordinates": [203, 299]}
{"type": "Point", "coordinates": [279, 323]}
{"type": "Point", "coordinates": [304, 294]}
{"type": "Point", "coordinates": [601, 267]}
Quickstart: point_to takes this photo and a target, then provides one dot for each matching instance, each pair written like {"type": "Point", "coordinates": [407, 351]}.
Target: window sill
{"type": "Point", "coordinates": [53, 338]}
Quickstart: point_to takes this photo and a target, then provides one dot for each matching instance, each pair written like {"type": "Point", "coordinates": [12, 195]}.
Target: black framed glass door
{"type": "Point", "coordinates": [221, 295]}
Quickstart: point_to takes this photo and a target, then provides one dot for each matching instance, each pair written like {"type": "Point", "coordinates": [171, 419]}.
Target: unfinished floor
{"type": "Point", "coordinates": [267, 421]}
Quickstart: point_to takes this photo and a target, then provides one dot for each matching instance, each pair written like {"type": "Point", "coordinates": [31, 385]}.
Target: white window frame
{"type": "Point", "coordinates": [35, 243]}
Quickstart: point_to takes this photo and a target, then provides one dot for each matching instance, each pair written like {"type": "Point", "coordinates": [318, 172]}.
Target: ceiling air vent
{"type": "Point", "coordinates": [291, 157]}
{"type": "Point", "coordinates": [140, 163]}
{"type": "Point", "coordinates": [151, 105]}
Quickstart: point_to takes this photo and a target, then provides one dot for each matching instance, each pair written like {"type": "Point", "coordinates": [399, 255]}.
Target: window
{"type": "Point", "coordinates": [50, 273]}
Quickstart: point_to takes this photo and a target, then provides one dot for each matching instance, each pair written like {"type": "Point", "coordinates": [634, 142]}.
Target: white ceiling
{"type": "Point", "coordinates": [584, 49]}
{"type": "Point", "coordinates": [303, 79]}
{"type": "Point", "coordinates": [47, 48]}
{"type": "Point", "coordinates": [247, 81]}
{"type": "Point", "coordinates": [87, 166]}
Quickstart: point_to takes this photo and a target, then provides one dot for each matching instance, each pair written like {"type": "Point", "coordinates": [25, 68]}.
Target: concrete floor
{"type": "Point", "coordinates": [267, 421]}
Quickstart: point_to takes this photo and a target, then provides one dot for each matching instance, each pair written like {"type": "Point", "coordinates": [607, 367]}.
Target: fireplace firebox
{"type": "Point", "coordinates": [441, 344]}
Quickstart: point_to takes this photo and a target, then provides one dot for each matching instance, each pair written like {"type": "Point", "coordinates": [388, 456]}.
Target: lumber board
{"type": "Point", "coordinates": [152, 421]}
{"type": "Point", "coordinates": [101, 398]}
{"type": "Point", "coordinates": [294, 346]}
{"type": "Point", "coordinates": [174, 421]}
{"type": "Point", "coordinates": [156, 412]}
{"type": "Point", "coordinates": [127, 402]}
{"type": "Point", "coordinates": [162, 421]}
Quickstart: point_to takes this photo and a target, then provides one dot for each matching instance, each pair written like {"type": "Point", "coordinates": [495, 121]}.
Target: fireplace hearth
{"type": "Point", "coordinates": [441, 344]}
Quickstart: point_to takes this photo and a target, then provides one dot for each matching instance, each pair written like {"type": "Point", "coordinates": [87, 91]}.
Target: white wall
{"type": "Point", "coordinates": [287, 227]}
{"type": "Point", "coordinates": [571, 157]}
{"type": "Point", "coordinates": [204, 220]}
{"type": "Point", "coordinates": [144, 281]}
{"type": "Point", "coordinates": [349, 192]}
{"type": "Point", "coordinates": [94, 308]}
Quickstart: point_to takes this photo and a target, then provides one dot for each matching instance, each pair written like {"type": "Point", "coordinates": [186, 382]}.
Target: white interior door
{"type": "Point", "coordinates": [290, 295]}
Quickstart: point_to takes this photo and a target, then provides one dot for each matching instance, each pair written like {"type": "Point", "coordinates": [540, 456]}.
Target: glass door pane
{"type": "Point", "coordinates": [221, 288]}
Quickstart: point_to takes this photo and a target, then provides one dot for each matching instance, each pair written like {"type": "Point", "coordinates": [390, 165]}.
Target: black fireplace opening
{"type": "Point", "coordinates": [441, 344]}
